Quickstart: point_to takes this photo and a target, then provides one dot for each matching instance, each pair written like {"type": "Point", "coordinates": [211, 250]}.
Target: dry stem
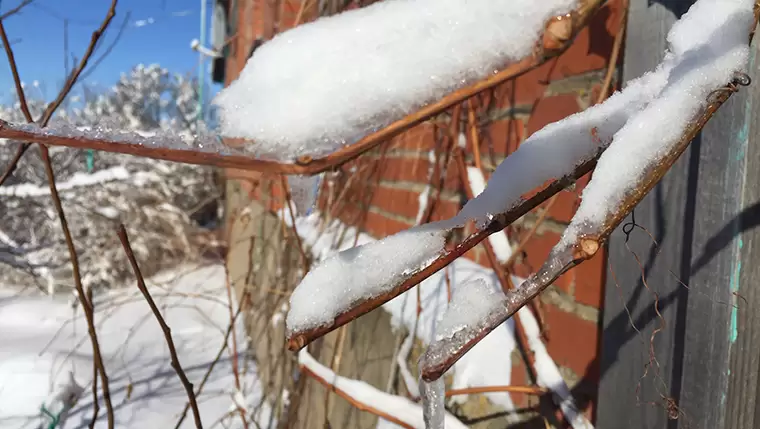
{"type": "Point", "coordinates": [122, 232]}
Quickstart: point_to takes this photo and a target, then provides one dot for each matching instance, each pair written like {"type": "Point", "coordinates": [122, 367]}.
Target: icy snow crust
{"type": "Point", "coordinates": [361, 273]}
{"type": "Point", "coordinates": [322, 85]}
{"type": "Point", "coordinates": [706, 47]}
{"type": "Point", "coordinates": [470, 305]}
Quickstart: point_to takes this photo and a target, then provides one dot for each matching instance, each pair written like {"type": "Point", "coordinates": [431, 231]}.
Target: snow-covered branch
{"type": "Point", "coordinates": [335, 134]}
{"type": "Point", "coordinates": [707, 47]}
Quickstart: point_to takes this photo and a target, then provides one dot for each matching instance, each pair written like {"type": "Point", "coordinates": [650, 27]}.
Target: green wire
{"type": "Point", "coordinates": [54, 418]}
{"type": "Point", "coordinates": [90, 160]}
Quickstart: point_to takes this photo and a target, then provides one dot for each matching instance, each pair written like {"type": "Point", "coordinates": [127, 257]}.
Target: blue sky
{"type": "Point", "coordinates": [157, 31]}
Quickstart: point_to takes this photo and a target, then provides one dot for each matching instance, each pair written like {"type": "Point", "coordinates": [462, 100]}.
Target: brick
{"type": "Point", "coordinates": [523, 90]}
{"type": "Point", "coordinates": [573, 342]}
{"type": "Point", "coordinates": [503, 137]}
{"type": "Point", "coordinates": [406, 169]}
{"type": "Point", "coordinates": [536, 250]}
{"type": "Point", "coordinates": [589, 280]}
{"type": "Point", "coordinates": [552, 109]}
{"type": "Point", "coordinates": [397, 201]}
{"type": "Point", "coordinates": [379, 226]}
{"type": "Point", "coordinates": [520, 378]}
{"type": "Point", "coordinates": [419, 138]}
{"type": "Point", "coordinates": [444, 210]}
{"type": "Point", "coordinates": [592, 45]}
{"type": "Point", "coordinates": [568, 201]}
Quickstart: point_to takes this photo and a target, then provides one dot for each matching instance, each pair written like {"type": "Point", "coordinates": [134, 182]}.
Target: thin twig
{"type": "Point", "coordinates": [527, 390]}
{"type": "Point", "coordinates": [16, 9]}
{"type": "Point", "coordinates": [14, 72]}
{"type": "Point", "coordinates": [217, 358]}
{"type": "Point", "coordinates": [524, 242]}
{"type": "Point", "coordinates": [122, 233]}
{"type": "Point", "coordinates": [612, 65]}
{"type": "Point", "coordinates": [74, 76]}
{"type": "Point", "coordinates": [95, 402]}
{"type": "Point", "coordinates": [50, 110]}
{"type": "Point", "coordinates": [86, 306]}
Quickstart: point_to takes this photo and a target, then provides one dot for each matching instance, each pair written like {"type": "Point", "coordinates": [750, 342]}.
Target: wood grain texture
{"type": "Point", "coordinates": [699, 214]}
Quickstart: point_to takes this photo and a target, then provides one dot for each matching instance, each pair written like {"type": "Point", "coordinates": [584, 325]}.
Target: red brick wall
{"type": "Point", "coordinates": [379, 191]}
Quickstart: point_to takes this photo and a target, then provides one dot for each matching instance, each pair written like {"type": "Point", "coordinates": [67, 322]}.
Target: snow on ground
{"type": "Point", "coordinates": [43, 341]}
{"type": "Point", "coordinates": [393, 405]}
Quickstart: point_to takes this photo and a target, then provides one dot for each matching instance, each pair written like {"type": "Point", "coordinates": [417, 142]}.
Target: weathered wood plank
{"type": "Point", "coordinates": [694, 214]}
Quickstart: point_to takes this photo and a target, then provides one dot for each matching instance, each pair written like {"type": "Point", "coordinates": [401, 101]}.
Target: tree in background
{"type": "Point", "coordinates": [167, 203]}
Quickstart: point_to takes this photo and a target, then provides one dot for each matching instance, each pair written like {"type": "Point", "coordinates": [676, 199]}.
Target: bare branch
{"type": "Point", "coordinates": [72, 79]}
{"type": "Point", "coordinates": [86, 305]}
{"type": "Point", "coordinates": [526, 390]}
{"type": "Point", "coordinates": [74, 76]}
{"type": "Point", "coordinates": [16, 9]}
{"type": "Point", "coordinates": [122, 232]}
{"type": "Point", "coordinates": [14, 72]}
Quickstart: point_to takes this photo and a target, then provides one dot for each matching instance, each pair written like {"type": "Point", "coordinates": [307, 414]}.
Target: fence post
{"type": "Point", "coordinates": [701, 367]}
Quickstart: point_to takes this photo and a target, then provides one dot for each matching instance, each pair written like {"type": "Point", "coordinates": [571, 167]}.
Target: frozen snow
{"type": "Point", "coordinates": [483, 365]}
{"type": "Point", "coordinates": [79, 179]}
{"type": "Point", "coordinates": [397, 406]}
{"type": "Point", "coordinates": [433, 396]}
{"type": "Point", "coordinates": [322, 85]}
{"type": "Point", "coordinates": [499, 241]}
{"type": "Point", "coordinates": [43, 341]}
{"type": "Point", "coordinates": [555, 150]}
{"type": "Point", "coordinates": [706, 46]}
{"type": "Point", "coordinates": [470, 305]}
{"type": "Point", "coordinates": [360, 273]}
{"type": "Point", "coordinates": [201, 141]}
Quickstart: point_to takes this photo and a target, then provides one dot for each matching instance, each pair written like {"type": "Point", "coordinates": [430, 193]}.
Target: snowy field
{"type": "Point", "coordinates": [43, 340]}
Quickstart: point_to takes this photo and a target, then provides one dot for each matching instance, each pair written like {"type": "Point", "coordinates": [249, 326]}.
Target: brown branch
{"type": "Point", "coordinates": [122, 233]}
{"type": "Point", "coordinates": [557, 38]}
{"type": "Point", "coordinates": [14, 72]}
{"type": "Point", "coordinates": [297, 340]}
{"type": "Point", "coordinates": [504, 280]}
{"type": "Point", "coordinates": [527, 390]}
{"type": "Point", "coordinates": [22, 102]}
{"type": "Point", "coordinates": [74, 76]}
{"type": "Point", "coordinates": [95, 402]}
{"type": "Point", "coordinates": [289, 203]}
{"type": "Point", "coordinates": [217, 358]}
{"type": "Point", "coordinates": [357, 404]}
{"type": "Point", "coordinates": [22, 148]}
{"type": "Point", "coordinates": [615, 54]}
{"type": "Point", "coordinates": [524, 242]}
{"type": "Point", "coordinates": [86, 305]}
{"type": "Point", "coordinates": [15, 10]}
{"type": "Point", "coordinates": [441, 355]}
{"type": "Point", "coordinates": [71, 80]}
